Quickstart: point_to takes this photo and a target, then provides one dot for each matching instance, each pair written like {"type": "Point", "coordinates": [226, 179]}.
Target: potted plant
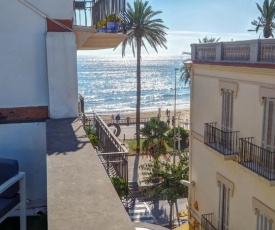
{"type": "Point", "coordinates": [101, 26]}
{"type": "Point", "coordinates": [113, 22]}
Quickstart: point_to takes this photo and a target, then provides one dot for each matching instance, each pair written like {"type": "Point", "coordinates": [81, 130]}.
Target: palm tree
{"type": "Point", "coordinates": [208, 40]}
{"type": "Point", "coordinates": [265, 21]}
{"type": "Point", "coordinates": [185, 73]}
{"type": "Point", "coordinates": [142, 27]}
{"type": "Point", "coordinates": [154, 132]}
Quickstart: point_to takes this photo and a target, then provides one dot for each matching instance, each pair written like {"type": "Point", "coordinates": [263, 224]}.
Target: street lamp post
{"type": "Point", "coordinates": [175, 109]}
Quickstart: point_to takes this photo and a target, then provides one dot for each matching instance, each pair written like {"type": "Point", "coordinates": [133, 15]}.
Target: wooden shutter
{"type": "Point", "coordinates": [223, 217]}
{"type": "Point", "coordinates": [227, 110]}
{"type": "Point", "coordinates": [268, 135]}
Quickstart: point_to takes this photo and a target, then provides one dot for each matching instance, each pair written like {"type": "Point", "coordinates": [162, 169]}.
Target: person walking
{"type": "Point", "coordinates": [117, 118]}
{"type": "Point", "coordinates": [173, 120]}
{"type": "Point", "coordinates": [168, 121]}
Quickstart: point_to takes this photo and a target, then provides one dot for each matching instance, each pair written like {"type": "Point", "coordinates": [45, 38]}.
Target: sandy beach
{"type": "Point", "coordinates": [182, 114]}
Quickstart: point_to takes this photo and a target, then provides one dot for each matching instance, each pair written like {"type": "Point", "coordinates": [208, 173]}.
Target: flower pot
{"type": "Point", "coordinates": [112, 26]}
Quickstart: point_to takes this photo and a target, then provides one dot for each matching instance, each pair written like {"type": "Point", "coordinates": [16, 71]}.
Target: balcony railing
{"type": "Point", "coordinates": [257, 159]}
{"type": "Point", "coordinates": [261, 51]}
{"type": "Point", "coordinates": [89, 13]}
{"type": "Point", "coordinates": [224, 142]}
{"type": "Point", "coordinates": [206, 222]}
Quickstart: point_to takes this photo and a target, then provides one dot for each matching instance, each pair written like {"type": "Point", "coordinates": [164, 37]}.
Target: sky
{"type": "Point", "coordinates": [189, 20]}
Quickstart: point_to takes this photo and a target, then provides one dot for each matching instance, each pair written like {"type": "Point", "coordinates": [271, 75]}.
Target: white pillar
{"type": "Point", "coordinates": [62, 74]}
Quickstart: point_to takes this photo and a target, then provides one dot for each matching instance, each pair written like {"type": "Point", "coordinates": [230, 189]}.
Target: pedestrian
{"type": "Point", "coordinates": [173, 120]}
{"type": "Point", "coordinates": [168, 121]}
{"type": "Point", "coordinates": [167, 112]}
{"type": "Point", "coordinates": [117, 118]}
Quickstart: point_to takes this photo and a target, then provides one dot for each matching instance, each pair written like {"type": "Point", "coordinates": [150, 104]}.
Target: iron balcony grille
{"type": "Point", "coordinates": [257, 159]}
{"type": "Point", "coordinates": [89, 13]}
{"type": "Point", "coordinates": [224, 142]}
{"type": "Point", "coordinates": [206, 222]}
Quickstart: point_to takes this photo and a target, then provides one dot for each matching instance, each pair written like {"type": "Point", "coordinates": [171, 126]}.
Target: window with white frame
{"type": "Point", "coordinates": [227, 109]}
{"type": "Point", "coordinates": [224, 197]}
{"type": "Point", "coordinates": [263, 221]}
{"type": "Point", "coordinates": [268, 135]}
{"type": "Point", "coordinates": [265, 215]}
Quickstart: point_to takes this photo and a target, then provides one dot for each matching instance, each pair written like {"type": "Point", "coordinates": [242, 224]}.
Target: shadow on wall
{"type": "Point", "coordinates": [64, 136]}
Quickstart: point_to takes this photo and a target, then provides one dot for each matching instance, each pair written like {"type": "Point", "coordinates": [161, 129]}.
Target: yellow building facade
{"type": "Point", "coordinates": [232, 143]}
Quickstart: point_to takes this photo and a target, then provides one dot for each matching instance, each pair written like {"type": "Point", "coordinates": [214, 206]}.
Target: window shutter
{"type": "Point", "coordinates": [263, 222]}
{"type": "Point", "coordinates": [227, 110]}
{"type": "Point", "coordinates": [223, 217]}
{"type": "Point", "coordinates": [268, 137]}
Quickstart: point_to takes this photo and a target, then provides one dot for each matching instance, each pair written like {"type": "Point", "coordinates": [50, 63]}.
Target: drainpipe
{"type": "Point", "coordinates": [190, 188]}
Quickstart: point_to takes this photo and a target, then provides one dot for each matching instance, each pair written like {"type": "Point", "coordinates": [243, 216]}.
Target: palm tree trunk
{"type": "Point", "coordinates": [138, 95]}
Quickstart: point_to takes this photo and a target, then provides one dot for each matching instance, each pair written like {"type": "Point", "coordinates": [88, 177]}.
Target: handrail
{"type": "Point", "coordinates": [109, 134]}
{"type": "Point", "coordinates": [257, 159]}
{"type": "Point", "coordinates": [222, 141]}
{"type": "Point", "coordinates": [250, 51]}
{"type": "Point", "coordinates": [89, 13]}
{"type": "Point", "coordinates": [206, 222]}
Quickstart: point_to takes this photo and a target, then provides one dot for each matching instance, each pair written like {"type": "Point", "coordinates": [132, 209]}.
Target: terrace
{"type": "Point", "coordinates": [80, 192]}
{"type": "Point", "coordinates": [224, 142]}
{"type": "Point", "coordinates": [86, 16]}
{"type": "Point", "coordinates": [259, 160]}
{"type": "Point", "coordinates": [260, 51]}
{"type": "Point", "coordinates": [206, 222]}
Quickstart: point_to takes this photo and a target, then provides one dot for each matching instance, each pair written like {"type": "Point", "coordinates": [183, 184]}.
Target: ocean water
{"type": "Point", "coordinates": [108, 83]}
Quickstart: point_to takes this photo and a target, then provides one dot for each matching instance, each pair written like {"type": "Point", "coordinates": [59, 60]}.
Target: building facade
{"type": "Point", "coordinates": [38, 66]}
{"type": "Point", "coordinates": [232, 161]}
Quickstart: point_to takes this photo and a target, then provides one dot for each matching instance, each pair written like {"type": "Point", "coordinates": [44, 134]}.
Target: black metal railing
{"type": "Point", "coordinates": [224, 142]}
{"type": "Point", "coordinates": [89, 13]}
{"type": "Point", "coordinates": [206, 222]}
{"type": "Point", "coordinates": [257, 159]}
{"type": "Point", "coordinates": [128, 120]}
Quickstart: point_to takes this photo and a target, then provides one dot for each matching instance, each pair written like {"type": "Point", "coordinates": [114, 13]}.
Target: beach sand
{"type": "Point", "coordinates": [184, 115]}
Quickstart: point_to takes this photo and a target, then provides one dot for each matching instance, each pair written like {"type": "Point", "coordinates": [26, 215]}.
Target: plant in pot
{"type": "Point", "coordinates": [101, 25]}
{"type": "Point", "coordinates": [113, 22]}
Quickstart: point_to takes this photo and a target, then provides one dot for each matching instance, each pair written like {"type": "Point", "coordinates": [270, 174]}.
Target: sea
{"type": "Point", "coordinates": [108, 82]}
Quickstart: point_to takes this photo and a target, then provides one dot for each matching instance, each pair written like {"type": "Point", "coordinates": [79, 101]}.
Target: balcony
{"type": "Point", "coordinates": [223, 142]}
{"type": "Point", "coordinates": [206, 222]}
{"type": "Point", "coordinates": [87, 14]}
{"type": "Point", "coordinates": [251, 51]}
{"type": "Point", "coordinates": [257, 159]}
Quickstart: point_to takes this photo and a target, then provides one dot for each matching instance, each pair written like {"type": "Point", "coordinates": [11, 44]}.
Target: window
{"type": "Point", "coordinates": [268, 135]}
{"type": "Point", "coordinates": [226, 188]}
{"type": "Point", "coordinates": [227, 110]}
{"type": "Point", "coordinates": [224, 194]}
{"type": "Point", "coordinates": [264, 215]}
{"type": "Point", "coordinates": [263, 222]}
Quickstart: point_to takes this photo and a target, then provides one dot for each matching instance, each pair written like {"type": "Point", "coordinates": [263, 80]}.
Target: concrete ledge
{"type": "Point", "coordinates": [80, 194]}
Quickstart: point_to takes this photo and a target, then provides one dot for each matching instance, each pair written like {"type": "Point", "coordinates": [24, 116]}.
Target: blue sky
{"type": "Point", "coordinates": [189, 20]}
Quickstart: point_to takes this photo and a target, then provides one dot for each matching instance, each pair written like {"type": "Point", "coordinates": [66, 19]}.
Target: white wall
{"type": "Point", "coordinates": [27, 143]}
{"type": "Point", "coordinates": [62, 75]}
{"type": "Point", "coordinates": [56, 9]}
{"type": "Point", "coordinates": [23, 66]}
